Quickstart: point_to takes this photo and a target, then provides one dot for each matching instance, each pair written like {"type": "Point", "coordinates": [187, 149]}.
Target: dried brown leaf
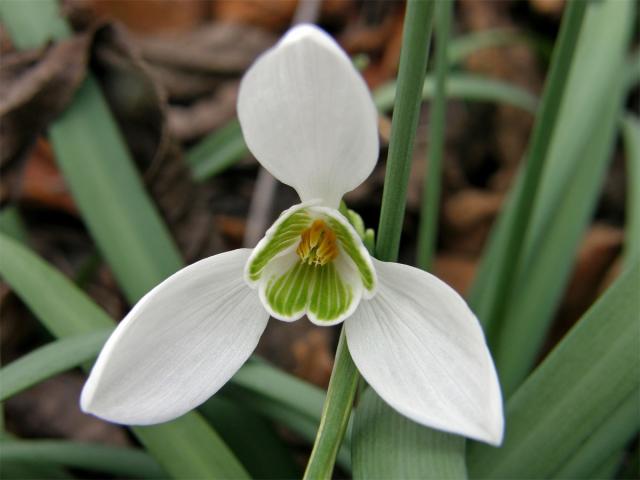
{"type": "Point", "coordinates": [35, 86]}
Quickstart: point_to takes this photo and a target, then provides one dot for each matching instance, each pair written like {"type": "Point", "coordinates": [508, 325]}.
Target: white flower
{"type": "Point", "coordinates": [308, 117]}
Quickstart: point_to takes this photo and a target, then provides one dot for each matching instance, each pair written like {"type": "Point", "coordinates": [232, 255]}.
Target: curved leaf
{"type": "Point", "coordinates": [117, 461]}
{"type": "Point", "coordinates": [49, 360]}
{"type": "Point", "coordinates": [592, 372]}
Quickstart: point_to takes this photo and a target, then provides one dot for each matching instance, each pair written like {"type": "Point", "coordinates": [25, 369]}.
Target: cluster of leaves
{"type": "Point", "coordinates": [569, 417]}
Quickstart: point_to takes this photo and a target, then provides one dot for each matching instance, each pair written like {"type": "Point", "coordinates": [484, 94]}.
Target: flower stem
{"type": "Point", "coordinates": [431, 192]}
{"type": "Point", "coordinates": [344, 378]}
{"type": "Point", "coordinates": [335, 414]}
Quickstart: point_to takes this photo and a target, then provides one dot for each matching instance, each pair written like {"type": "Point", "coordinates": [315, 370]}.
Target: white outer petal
{"type": "Point", "coordinates": [423, 351]}
{"type": "Point", "coordinates": [308, 117]}
{"type": "Point", "coordinates": [182, 342]}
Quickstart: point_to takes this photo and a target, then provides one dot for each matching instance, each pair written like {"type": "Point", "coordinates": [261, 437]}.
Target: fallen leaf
{"type": "Point", "coordinates": [151, 16]}
{"type": "Point", "coordinates": [35, 86]}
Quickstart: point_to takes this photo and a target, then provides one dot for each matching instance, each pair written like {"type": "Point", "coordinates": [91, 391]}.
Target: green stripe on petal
{"type": "Point", "coordinates": [353, 247]}
{"type": "Point", "coordinates": [319, 290]}
{"type": "Point", "coordinates": [282, 235]}
{"type": "Point", "coordinates": [331, 297]}
{"type": "Point", "coordinates": [288, 293]}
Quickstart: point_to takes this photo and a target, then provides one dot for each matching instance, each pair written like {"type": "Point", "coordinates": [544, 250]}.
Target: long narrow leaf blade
{"type": "Point", "coordinates": [262, 379]}
{"type": "Point", "coordinates": [568, 204]}
{"type": "Point", "coordinates": [577, 158]}
{"type": "Point", "coordinates": [465, 86]}
{"type": "Point", "coordinates": [47, 361]}
{"type": "Point", "coordinates": [107, 188]}
{"type": "Point", "coordinates": [524, 198]}
{"type": "Point", "coordinates": [304, 425]}
{"type": "Point", "coordinates": [428, 226]}
{"type": "Point", "coordinates": [388, 445]}
{"type": "Point", "coordinates": [631, 135]}
{"type": "Point", "coordinates": [11, 224]}
{"type": "Point", "coordinates": [607, 441]}
{"type": "Point", "coordinates": [460, 48]}
{"type": "Point", "coordinates": [250, 436]}
{"type": "Point", "coordinates": [587, 377]}
{"type": "Point", "coordinates": [217, 151]}
{"type": "Point", "coordinates": [118, 461]}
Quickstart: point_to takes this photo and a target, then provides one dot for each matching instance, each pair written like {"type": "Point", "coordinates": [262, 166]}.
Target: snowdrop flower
{"type": "Point", "coordinates": [308, 117]}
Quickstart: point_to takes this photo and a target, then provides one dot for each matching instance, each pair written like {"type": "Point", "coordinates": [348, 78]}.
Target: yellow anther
{"type": "Point", "coordinates": [318, 245]}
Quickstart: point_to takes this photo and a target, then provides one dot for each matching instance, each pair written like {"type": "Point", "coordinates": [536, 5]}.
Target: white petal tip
{"type": "Point", "coordinates": [422, 350]}
{"type": "Point", "coordinates": [91, 405]}
{"type": "Point", "coordinates": [492, 435]}
{"type": "Point", "coordinates": [307, 31]}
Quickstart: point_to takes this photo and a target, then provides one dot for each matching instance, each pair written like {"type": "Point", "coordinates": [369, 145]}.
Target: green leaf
{"type": "Point", "coordinates": [11, 224]}
{"type": "Point", "coordinates": [577, 157]}
{"type": "Point", "coordinates": [460, 48]}
{"type": "Point", "coordinates": [305, 426]}
{"type": "Point", "coordinates": [29, 28]}
{"type": "Point", "coordinates": [524, 197]}
{"type": "Point", "coordinates": [60, 306]}
{"type": "Point", "coordinates": [251, 438]}
{"type": "Point", "coordinates": [606, 442]}
{"type": "Point", "coordinates": [261, 379]}
{"type": "Point", "coordinates": [465, 86]}
{"type": "Point", "coordinates": [631, 136]}
{"type": "Point", "coordinates": [186, 447]}
{"type": "Point", "coordinates": [387, 445]}
{"type": "Point", "coordinates": [26, 470]}
{"type": "Point", "coordinates": [109, 193]}
{"type": "Point", "coordinates": [217, 151]}
{"type": "Point", "coordinates": [573, 393]}
{"type": "Point", "coordinates": [21, 470]}
{"type": "Point", "coordinates": [118, 461]}
{"type": "Point", "coordinates": [430, 208]}
{"type": "Point", "coordinates": [284, 399]}
{"type": "Point", "coordinates": [632, 70]}
{"type": "Point", "coordinates": [611, 466]}
{"type": "Point", "coordinates": [49, 360]}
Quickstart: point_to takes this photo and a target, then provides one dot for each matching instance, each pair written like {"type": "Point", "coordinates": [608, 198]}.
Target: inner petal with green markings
{"type": "Point", "coordinates": [311, 261]}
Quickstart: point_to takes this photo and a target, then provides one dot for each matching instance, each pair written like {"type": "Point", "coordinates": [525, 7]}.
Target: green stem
{"type": "Point", "coordinates": [413, 64]}
{"type": "Point", "coordinates": [344, 378]}
{"type": "Point", "coordinates": [335, 414]}
{"type": "Point", "coordinates": [427, 232]}
{"type": "Point", "coordinates": [543, 130]}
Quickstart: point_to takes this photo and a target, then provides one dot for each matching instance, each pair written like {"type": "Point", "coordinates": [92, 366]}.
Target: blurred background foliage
{"type": "Point", "coordinates": [122, 160]}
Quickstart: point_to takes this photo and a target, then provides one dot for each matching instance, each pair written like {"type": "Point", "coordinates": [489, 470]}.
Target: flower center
{"type": "Point", "coordinates": [318, 245]}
